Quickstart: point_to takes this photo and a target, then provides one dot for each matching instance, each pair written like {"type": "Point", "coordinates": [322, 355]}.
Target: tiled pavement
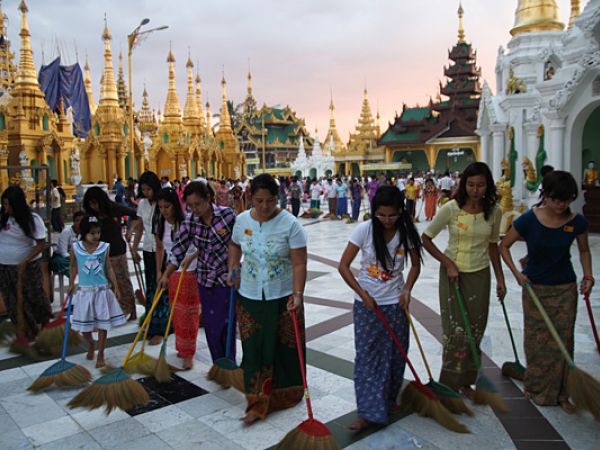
{"type": "Point", "coordinates": [211, 420]}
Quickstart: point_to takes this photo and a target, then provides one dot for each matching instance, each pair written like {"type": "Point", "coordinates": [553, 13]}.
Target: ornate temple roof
{"type": "Point", "coordinates": [365, 138]}
{"type": "Point", "coordinates": [146, 121]}
{"type": "Point", "coordinates": [536, 15]}
{"type": "Point", "coordinates": [108, 88]}
{"type": "Point", "coordinates": [332, 134]}
{"type": "Point", "coordinates": [191, 114]}
{"type": "Point", "coordinates": [26, 74]}
{"type": "Point", "coordinates": [454, 117]}
{"type": "Point", "coordinates": [121, 87]}
{"type": "Point", "coordinates": [172, 113]}
{"type": "Point", "coordinates": [8, 70]}
{"type": "Point", "coordinates": [87, 81]}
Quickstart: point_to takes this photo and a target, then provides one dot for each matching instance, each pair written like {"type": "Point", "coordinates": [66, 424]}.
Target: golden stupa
{"type": "Point", "coordinates": [536, 15]}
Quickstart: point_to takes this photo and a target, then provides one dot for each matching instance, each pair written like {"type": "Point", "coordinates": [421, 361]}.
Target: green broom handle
{"type": "Point", "coordinates": [550, 325]}
{"type": "Point", "coordinates": [465, 317]}
{"type": "Point", "coordinates": [414, 330]}
{"type": "Point", "coordinates": [146, 323]}
{"type": "Point", "coordinates": [183, 269]}
{"type": "Point", "coordinates": [510, 333]}
{"type": "Point", "coordinates": [301, 360]}
{"type": "Point", "coordinates": [63, 354]}
{"type": "Point", "coordinates": [230, 323]}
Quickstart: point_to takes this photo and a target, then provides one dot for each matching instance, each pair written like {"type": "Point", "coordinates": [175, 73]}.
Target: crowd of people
{"type": "Point", "coordinates": [224, 235]}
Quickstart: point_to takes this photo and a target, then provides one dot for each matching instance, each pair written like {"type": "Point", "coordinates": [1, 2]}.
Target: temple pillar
{"type": "Point", "coordinates": [484, 152]}
{"type": "Point", "coordinates": [121, 164]}
{"type": "Point", "coordinates": [498, 153]}
{"type": "Point", "coordinates": [3, 173]}
{"type": "Point", "coordinates": [532, 140]}
{"type": "Point", "coordinates": [519, 177]}
{"type": "Point", "coordinates": [111, 166]}
{"type": "Point", "coordinates": [59, 167]}
{"type": "Point", "coordinates": [556, 144]}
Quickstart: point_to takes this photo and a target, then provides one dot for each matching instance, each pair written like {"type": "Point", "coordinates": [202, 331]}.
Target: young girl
{"type": "Point", "coordinates": [96, 307]}
{"type": "Point", "coordinates": [386, 241]}
{"type": "Point", "coordinates": [549, 231]}
{"type": "Point", "coordinates": [186, 316]}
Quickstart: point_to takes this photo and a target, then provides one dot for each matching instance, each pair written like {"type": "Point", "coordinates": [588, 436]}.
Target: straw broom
{"type": "Point", "coordinates": [225, 371]}
{"type": "Point", "coordinates": [448, 397]}
{"type": "Point", "coordinates": [116, 389]}
{"type": "Point", "coordinates": [418, 397]}
{"type": "Point", "coordinates": [582, 387]}
{"type": "Point", "coordinates": [485, 391]}
{"type": "Point", "coordinates": [21, 344]}
{"type": "Point", "coordinates": [50, 338]}
{"type": "Point", "coordinates": [62, 373]}
{"type": "Point", "coordinates": [512, 369]}
{"type": "Point", "coordinates": [160, 369]}
{"type": "Point", "coordinates": [310, 434]}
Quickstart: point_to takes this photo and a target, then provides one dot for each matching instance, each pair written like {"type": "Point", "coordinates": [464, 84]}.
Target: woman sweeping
{"type": "Point", "coordinates": [187, 309]}
{"type": "Point", "coordinates": [473, 221]}
{"type": "Point", "coordinates": [208, 228]}
{"type": "Point", "coordinates": [96, 203]}
{"type": "Point", "coordinates": [148, 215]}
{"type": "Point", "coordinates": [430, 195]}
{"type": "Point", "coordinates": [385, 243]}
{"type": "Point", "coordinates": [96, 307]}
{"type": "Point", "coordinates": [22, 240]}
{"type": "Point", "coordinates": [549, 230]}
{"type": "Point", "coordinates": [271, 284]}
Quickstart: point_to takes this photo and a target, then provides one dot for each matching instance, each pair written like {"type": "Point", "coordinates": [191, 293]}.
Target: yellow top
{"type": "Point", "coordinates": [536, 15]}
{"type": "Point", "coordinates": [410, 191]}
{"type": "Point", "coordinates": [469, 235]}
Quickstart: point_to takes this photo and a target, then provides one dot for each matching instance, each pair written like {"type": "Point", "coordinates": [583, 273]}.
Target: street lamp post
{"type": "Point", "coordinates": [132, 39]}
{"type": "Point", "coordinates": [264, 138]}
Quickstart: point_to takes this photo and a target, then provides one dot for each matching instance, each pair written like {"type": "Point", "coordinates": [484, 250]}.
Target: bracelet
{"type": "Point", "coordinates": [300, 293]}
{"type": "Point", "coordinates": [589, 278]}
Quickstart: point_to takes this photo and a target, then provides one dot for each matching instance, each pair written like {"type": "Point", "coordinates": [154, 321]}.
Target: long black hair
{"type": "Point", "coordinates": [167, 195]}
{"type": "Point", "coordinates": [97, 194]}
{"type": "Point", "coordinates": [151, 180]}
{"type": "Point", "coordinates": [490, 198]}
{"type": "Point", "coordinates": [391, 196]}
{"type": "Point", "coordinates": [20, 210]}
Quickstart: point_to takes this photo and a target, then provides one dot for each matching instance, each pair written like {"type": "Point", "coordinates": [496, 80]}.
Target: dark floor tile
{"type": "Point", "coordinates": [530, 429]}
{"type": "Point", "coordinates": [156, 402]}
{"type": "Point", "coordinates": [521, 408]}
{"type": "Point", "coordinates": [541, 445]}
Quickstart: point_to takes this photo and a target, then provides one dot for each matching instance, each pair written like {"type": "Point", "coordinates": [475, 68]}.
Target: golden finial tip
{"type": "Point", "coordinates": [106, 33]}
{"type": "Point", "coordinates": [23, 7]}
{"type": "Point", "coordinates": [461, 11]}
{"type": "Point", "coordinates": [198, 78]}
{"type": "Point", "coordinates": [170, 57]}
{"type": "Point", "coordinates": [189, 63]}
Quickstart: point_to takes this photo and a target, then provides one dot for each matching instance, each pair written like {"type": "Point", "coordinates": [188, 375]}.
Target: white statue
{"type": "Point", "coordinates": [23, 158]}
{"type": "Point", "coordinates": [75, 169]}
{"type": "Point", "coordinates": [25, 172]}
{"type": "Point", "coordinates": [69, 116]}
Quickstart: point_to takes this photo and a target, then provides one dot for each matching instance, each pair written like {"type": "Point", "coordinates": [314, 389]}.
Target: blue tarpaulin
{"type": "Point", "coordinates": [66, 82]}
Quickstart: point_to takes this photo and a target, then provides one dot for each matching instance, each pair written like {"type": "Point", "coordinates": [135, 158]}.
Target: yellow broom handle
{"type": "Point", "coordinates": [183, 269]}
{"type": "Point", "coordinates": [146, 322]}
{"type": "Point", "coordinates": [414, 330]}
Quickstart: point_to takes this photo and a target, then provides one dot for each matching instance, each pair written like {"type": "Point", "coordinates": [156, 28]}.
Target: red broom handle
{"type": "Point", "coordinates": [589, 310]}
{"type": "Point", "coordinates": [396, 341]}
{"type": "Point", "coordinates": [301, 359]}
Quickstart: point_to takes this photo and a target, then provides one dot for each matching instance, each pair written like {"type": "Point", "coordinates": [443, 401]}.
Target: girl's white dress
{"type": "Point", "coordinates": [95, 305]}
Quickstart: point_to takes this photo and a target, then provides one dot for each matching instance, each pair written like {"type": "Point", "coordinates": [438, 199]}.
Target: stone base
{"type": "Point", "coordinates": [591, 208]}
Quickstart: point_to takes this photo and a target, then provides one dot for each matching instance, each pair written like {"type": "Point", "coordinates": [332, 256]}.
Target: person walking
{"type": "Point", "coordinates": [356, 192]}
{"type": "Point", "coordinates": [55, 204]}
{"type": "Point", "coordinates": [430, 195]}
{"type": "Point", "coordinates": [473, 222]}
{"type": "Point", "coordinates": [295, 196]}
{"type": "Point", "coordinates": [270, 286]}
{"type": "Point", "coordinates": [549, 230]}
{"type": "Point", "coordinates": [331, 193]}
{"type": "Point", "coordinates": [385, 242]}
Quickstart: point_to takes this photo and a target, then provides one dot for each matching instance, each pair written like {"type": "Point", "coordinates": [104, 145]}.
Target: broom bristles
{"type": "Point", "coordinates": [487, 394]}
{"type": "Point", "coordinates": [61, 374]}
{"type": "Point", "coordinates": [141, 363]}
{"type": "Point", "coordinates": [513, 370]}
{"type": "Point", "coordinates": [226, 377]}
{"type": "Point", "coordinates": [584, 391]}
{"type": "Point", "coordinates": [50, 340]}
{"type": "Point", "coordinates": [310, 434]}
{"type": "Point", "coordinates": [162, 372]}
{"type": "Point", "coordinates": [414, 399]}
{"type": "Point", "coordinates": [449, 398]}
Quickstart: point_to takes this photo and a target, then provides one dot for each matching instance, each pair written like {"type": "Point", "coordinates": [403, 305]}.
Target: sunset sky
{"type": "Point", "coordinates": [297, 50]}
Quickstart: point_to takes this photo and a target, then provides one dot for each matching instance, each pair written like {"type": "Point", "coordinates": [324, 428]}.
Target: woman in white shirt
{"type": "Point", "coordinates": [271, 285]}
{"type": "Point", "coordinates": [386, 241]}
{"type": "Point", "coordinates": [22, 240]}
{"type": "Point", "coordinates": [147, 211]}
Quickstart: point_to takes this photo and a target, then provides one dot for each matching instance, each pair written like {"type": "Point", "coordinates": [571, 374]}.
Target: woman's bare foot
{"type": "Point", "coordinates": [188, 363]}
{"type": "Point", "coordinates": [468, 392]}
{"type": "Point", "coordinates": [250, 418]}
{"type": "Point", "coordinates": [359, 425]}
{"type": "Point", "coordinates": [567, 406]}
{"type": "Point", "coordinates": [90, 352]}
{"type": "Point", "coordinates": [132, 316]}
{"type": "Point", "coordinates": [156, 340]}
{"type": "Point", "coordinates": [100, 361]}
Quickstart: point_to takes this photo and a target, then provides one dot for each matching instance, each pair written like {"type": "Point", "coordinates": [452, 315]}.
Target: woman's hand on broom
{"type": "Point", "coordinates": [117, 292]}
{"type": "Point", "coordinates": [233, 277]}
{"type": "Point", "coordinates": [522, 279]}
{"type": "Point", "coordinates": [586, 285]}
{"type": "Point", "coordinates": [452, 270]}
{"type": "Point", "coordinates": [405, 298]}
{"type": "Point", "coordinates": [367, 300]}
{"type": "Point", "coordinates": [500, 290]}
{"type": "Point", "coordinates": [294, 301]}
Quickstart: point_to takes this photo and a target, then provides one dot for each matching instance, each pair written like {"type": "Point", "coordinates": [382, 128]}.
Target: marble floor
{"type": "Point", "coordinates": [211, 420]}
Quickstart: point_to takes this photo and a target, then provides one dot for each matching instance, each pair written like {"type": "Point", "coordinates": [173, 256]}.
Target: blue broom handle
{"type": "Point", "coordinates": [67, 323]}
{"type": "Point", "coordinates": [230, 324]}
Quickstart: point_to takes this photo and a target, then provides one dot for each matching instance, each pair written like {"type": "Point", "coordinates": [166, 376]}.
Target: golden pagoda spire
{"type": "Point", "coordinates": [191, 115]}
{"type": "Point", "coordinates": [172, 108]}
{"type": "Point", "coordinates": [26, 74]}
{"type": "Point", "coordinates": [461, 30]}
{"type": "Point", "coordinates": [2, 24]}
{"type": "Point", "coordinates": [87, 81]}
{"type": "Point", "coordinates": [199, 100]}
{"type": "Point", "coordinates": [108, 88]}
{"type": "Point", "coordinates": [536, 15]}
{"type": "Point", "coordinates": [332, 133]}
{"type": "Point", "coordinates": [225, 121]}
{"type": "Point", "coordinates": [146, 121]}
{"type": "Point", "coordinates": [575, 11]}
{"type": "Point", "coordinates": [8, 70]}
{"type": "Point", "coordinates": [208, 124]}
{"type": "Point", "coordinates": [249, 84]}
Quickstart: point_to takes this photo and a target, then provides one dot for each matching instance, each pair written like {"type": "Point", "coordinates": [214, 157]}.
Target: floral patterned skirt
{"type": "Point", "coordinates": [272, 378]}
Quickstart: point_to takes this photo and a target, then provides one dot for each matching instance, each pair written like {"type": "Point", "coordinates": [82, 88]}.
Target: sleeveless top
{"type": "Point", "coordinates": [90, 266]}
